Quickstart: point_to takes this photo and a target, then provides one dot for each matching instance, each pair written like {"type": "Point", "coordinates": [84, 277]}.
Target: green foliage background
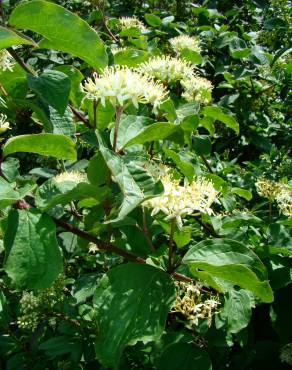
{"type": "Point", "coordinates": [89, 278]}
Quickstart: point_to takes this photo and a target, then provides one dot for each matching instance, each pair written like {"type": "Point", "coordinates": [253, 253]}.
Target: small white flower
{"type": "Point", "coordinates": [197, 89]}
{"type": "Point", "coordinates": [6, 61]}
{"type": "Point", "coordinates": [73, 176]}
{"type": "Point", "coordinates": [122, 85]}
{"type": "Point", "coordinates": [284, 200]}
{"type": "Point", "coordinates": [181, 42]}
{"type": "Point", "coordinates": [167, 69]}
{"type": "Point", "coordinates": [4, 125]}
{"type": "Point", "coordinates": [130, 22]}
{"type": "Point", "coordinates": [178, 201]}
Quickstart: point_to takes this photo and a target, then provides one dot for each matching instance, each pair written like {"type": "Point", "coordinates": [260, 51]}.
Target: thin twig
{"type": "Point", "coordinates": [21, 62]}
{"type": "Point", "coordinates": [119, 111]}
{"type": "Point", "coordinates": [146, 232]}
{"type": "Point", "coordinates": [171, 245]}
{"type": "Point", "coordinates": [111, 248]}
{"type": "Point", "coordinates": [80, 116]}
{"type": "Point", "coordinates": [207, 163]}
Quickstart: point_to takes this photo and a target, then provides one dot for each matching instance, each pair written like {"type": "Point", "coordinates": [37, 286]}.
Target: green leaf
{"type": "Point", "coordinates": [153, 20]}
{"type": "Point", "coordinates": [53, 87]}
{"type": "Point", "coordinates": [75, 76]}
{"type": "Point", "coordinates": [14, 82]}
{"type": "Point", "coordinates": [236, 312]}
{"type": "Point", "coordinates": [186, 168]}
{"type": "Point", "coordinates": [9, 38]}
{"type": "Point", "coordinates": [232, 261]}
{"type": "Point", "coordinates": [135, 183]}
{"type": "Point", "coordinates": [192, 56]}
{"type": "Point", "coordinates": [130, 57]}
{"type": "Point", "coordinates": [238, 48]}
{"type": "Point", "coordinates": [8, 195]}
{"type": "Point", "coordinates": [57, 146]}
{"type": "Point", "coordinates": [243, 193]}
{"type": "Point", "coordinates": [62, 30]}
{"type": "Point", "coordinates": [33, 257]}
{"type": "Point", "coordinates": [184, 356]}
{"type": "Point", "coordinates": [202, 144]}
{"type": "Point", "coordinates": [139, 130]}
{"type": "Point", "coordinates": [216, 113]}
{"type": "Point", "coordinates": [97, 170]}
{"type": "Point", "coordinates": [132, 302]}
{"type": "Point", "coordinates": [51, 193]}
{"type": "Point", "coordinates": [182, 236]}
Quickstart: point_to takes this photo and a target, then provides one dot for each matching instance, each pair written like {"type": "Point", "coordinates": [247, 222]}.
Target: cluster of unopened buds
{"type": "Point", "coordinates": [32, 306]}
{"type": "Point", "coordinates": [191, 303]}
{"type": "Point", "coordinates": [281, 193]}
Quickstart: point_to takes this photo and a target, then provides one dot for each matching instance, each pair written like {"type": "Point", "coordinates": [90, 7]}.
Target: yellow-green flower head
{"type": "Point", "coordinates": [267, 188]}
{"type": "Point", "coordinates": [118, 50]}
{"type": "Point", "coordinates": [167, 69]}
{"type": "Point", "coordinates": [4, 125]}
{"type": "Point", "coordinates": [181, 42]}
{"type": "Point", "coordinates": [6, 61]}
{"type": "Point", "coordinates": [122, 85]}
{"type": "Point", "coordinates": [178, 201]}
{"type": "Point", "coordinates": [73, 176]}
{"type": "Point", "coordinates": [284, 200]}
{"type": "Point", "coordinates": [130, 22]}
{"type": "Point", "coordinates": [197, 89]}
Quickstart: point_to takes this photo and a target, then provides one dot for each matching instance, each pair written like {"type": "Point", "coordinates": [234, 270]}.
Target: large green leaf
{"type": "Point", "coordinates": [58, 146]}
{"type": "Point", "coordinates": [236, 312]}
{"type": "Point", "coordinates": [33, 257]}
{"type": "Point", "coordinates": [132, 302]}
{"type": "Point", "coordinates": [53, 87]}
{"type": "Point", "coordinates": [180, 356]}
{"type": "Point", "coordinates": [216, 113]}
{"type": "Point", "coordinates": [9, 38]}
{"type": "Point", "coordinates": [140, 130]}
{"type": "Point", "coordinates": [52, 193]}
{"type": "Point", "coordinates": [62, 29]}
{"type": "Point", "coordinates": [135, 183]}
{"type": "Point", "coordinates": [7, 194]}
{"type": "Point", "coordinates": [232, 261]}
{"type": "Point", "coordinates": [158, 131]}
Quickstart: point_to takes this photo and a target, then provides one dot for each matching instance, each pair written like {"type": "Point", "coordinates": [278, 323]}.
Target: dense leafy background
{"type": "Point", "coordinates": [85, 280]}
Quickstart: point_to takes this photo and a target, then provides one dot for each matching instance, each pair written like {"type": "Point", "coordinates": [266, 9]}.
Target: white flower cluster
{"type": "Point", "coordinates": [277, 191]}
{"type": "Point", "coordinates": [167, 69]}
{"type": "Point", "coordinates": [197, 89]}
{"type": "Point", "coordinates": [284, 200]}
{"type": "Point", "coordinates": [171, 70]}
{"type": "Point", "coordinates": [181, 42]}
{"type": "Point", "coordinates": [29, 305]}
{"type": "Point", "coordinates": [267, 188]}
{"type": "Point", "coordinates": [178, 201]}
{"type": "Point", "coordinates": [4, 125]}
{"type": "Point", "coordinates": [6, 61]}
{"type": "Point", "coordinates": [191, 304]}
{"type": "Point", "coordinates": [130, 22]}
{"type": "Point", "coordinates": [73, 176]}
{"type": "Point", "coordinates": [118, 50]}
{"type": "Point", "coordinates": [122, 85]}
